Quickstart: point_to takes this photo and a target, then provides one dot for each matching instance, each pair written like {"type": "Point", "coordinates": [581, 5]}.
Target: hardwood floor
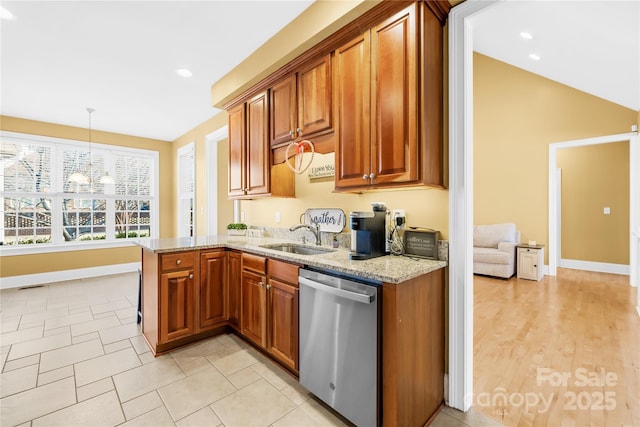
{"type": "Point", "coordinates": [564, 351]}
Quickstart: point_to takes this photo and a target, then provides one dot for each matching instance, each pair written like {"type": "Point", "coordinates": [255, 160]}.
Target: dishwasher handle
{"type": "Point", "coordinates": [353, 296]}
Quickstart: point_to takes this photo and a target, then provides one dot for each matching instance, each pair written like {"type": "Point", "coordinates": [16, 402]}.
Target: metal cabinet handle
{"type": "Point", "coordinates": [290, 133]}
{"type": "Point", "coordinates": [365, 176]}
{"type": "Point", "coordinates": [191, 276]}
{"type": "Point", "coordinates": [268, 286]}
{"type": "Point", "coordinates": [260, 284]}
{"type": "Point", "coordinates": [372, 175]}
{"type": "Point", "coordinates": [178, 261]}
{"type": "Point", "coordinates": [299, 130]}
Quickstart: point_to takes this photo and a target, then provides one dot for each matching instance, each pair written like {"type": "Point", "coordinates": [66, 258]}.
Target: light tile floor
{"type": "Point", "coordinates": [72, 355]}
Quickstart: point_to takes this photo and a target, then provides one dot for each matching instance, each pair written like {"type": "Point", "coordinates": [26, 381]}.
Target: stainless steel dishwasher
{"type": "Point", "coordinates": [339, 337]}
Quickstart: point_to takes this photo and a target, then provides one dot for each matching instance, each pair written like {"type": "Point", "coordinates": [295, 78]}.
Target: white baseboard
{"type": "Point", "coordinates": [600, 267]}
{"type": "Point", "coordinates": [446, 388]}
{"type": "Point", "coordinates": [59, 276]}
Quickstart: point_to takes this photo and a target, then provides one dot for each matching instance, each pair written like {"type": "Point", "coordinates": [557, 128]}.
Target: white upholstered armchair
{"type": "Point", "coordinates": [494, 249]}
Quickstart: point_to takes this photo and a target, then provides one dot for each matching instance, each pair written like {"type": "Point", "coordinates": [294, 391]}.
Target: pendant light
{"type": "Point", "coordinates": [78, 177]}
{"type": "Point", "coordinates": [106, 178]}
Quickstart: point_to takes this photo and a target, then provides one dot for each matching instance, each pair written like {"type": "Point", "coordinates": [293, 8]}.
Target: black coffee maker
{"type": "Point", "coordinates": [368, 237]}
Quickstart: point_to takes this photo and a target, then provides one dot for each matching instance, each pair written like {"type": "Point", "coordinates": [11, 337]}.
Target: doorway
{"type": "Point", "coordinates": [554, 200]}
{"type": "Point", "coordinates": [460, 374]}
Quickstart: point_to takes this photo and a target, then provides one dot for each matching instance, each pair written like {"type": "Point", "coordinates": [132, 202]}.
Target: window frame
{"type": "Point", "coordinates": [58, 145]}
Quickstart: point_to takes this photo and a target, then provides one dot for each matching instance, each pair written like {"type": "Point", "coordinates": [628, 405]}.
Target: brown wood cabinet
{"type": "Point", "coordinates": [251, 172]}
{"type": "Point", "coordinates": [176, 305]}
{"type": "Point", "coordinates": [282, 310]}
{"type": "Point", "coordinates": [388, 103]}
{"type": "Point", "coordinates": [235, 278]}
{"type": "Point", "coordinates": [300, 104]}
{"type": "Point", "coordinates": [214, 285]}
{"type": "Point", "coordinates": [270, 307]}
{"type": "Point", "coordinates": [254, 314]}
{"type": "Point", "coordinates": [412, 350]}
{"type": "Point", "coordinates": [184, 296]}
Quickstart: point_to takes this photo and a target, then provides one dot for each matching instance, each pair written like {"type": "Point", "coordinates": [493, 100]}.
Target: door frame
{"type": "Point", "coordinates": [211, 148]}
{"type": "Point", "coordinates": [459, 382]}
{"type": "Point", "coordinates": [634, 219]}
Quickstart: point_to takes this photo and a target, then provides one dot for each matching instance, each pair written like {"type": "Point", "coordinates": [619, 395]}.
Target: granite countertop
{"type": "Point", "coordinates": [390, 269]}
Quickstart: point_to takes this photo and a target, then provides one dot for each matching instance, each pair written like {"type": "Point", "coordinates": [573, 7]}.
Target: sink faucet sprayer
{"type": "Point", "coordinates": [315, 229]}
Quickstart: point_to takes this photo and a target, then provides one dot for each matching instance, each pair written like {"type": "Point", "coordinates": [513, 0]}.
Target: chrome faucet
{"type": "Point", "coordinates": [315, 229]}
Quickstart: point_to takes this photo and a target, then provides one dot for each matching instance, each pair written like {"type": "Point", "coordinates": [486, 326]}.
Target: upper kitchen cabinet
{"type": "Point", "coordinates": [251, 172]}
{"type": "Point", "coordinates": [388, 103]}
{"type": "Point", "coordinates": [301, 103]}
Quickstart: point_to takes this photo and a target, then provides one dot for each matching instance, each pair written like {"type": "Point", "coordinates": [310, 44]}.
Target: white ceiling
{"type": "Point", "coordinates": [593, 46]}
{"type": "Point", "coordinates": [59, 57]}
{"type": "Point", "coordinates": [119, 57]}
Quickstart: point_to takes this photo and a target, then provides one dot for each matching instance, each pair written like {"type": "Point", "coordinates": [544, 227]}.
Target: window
{"type": "Point", "coordinates": [186, 188]}
{"type": "Point", "coordinates": [52, 191]}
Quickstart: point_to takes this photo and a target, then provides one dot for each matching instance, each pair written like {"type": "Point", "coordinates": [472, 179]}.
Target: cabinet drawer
{"type": "Point", "coordinates": [283, 271]}
{"type": "Point", "coordinates": [177, 260]}
{"type": "Point", "coordinates": [254, 262]}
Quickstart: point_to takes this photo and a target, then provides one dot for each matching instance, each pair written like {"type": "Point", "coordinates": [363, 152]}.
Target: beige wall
{"type": "Point", "coordinates": [589, 174]}
{"type": "Point", "coordinates": [41, 263]}
{"type": "Point", "coordinates": [424, 207]}
{"type": "Point", "coordinates": [516, 116]}
{"type": "Point", "coordinates": [224, 205]}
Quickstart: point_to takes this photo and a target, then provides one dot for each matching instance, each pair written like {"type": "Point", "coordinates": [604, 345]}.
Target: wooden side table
{"type": "Point", "coordinates": [530, 262]}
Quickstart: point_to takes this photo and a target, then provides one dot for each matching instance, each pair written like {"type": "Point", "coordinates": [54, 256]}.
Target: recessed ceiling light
{"type": "Point", "coordinates": [534, 57]}
{"type": "Point", "coordinates": [183, 72]}
{"type": "Point", "coordinates": [5, 14]}
{"type": "Point", "coordinates": [525, 35]}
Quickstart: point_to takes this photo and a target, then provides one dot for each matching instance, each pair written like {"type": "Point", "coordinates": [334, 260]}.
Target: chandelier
{"type": "Point", "coordinates": [79, 177]}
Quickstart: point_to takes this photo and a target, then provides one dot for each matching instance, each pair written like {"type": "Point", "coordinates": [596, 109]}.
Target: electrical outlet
{"type": "Point", "coordinates": [607, 211]}
{"type": "Point", "coordinates": [277, 217]}
{"type": "Point", "coordinates": [399, 217]}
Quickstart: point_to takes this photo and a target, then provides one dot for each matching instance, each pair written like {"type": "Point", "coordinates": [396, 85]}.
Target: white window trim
{"type": "Point", "coordinates": [14, 250]}
{"type": "Point", "coordinates": [184, 151]}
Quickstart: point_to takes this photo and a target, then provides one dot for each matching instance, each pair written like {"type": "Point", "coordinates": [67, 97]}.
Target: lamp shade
{"type": "Point", "coordinates": [107, 179]}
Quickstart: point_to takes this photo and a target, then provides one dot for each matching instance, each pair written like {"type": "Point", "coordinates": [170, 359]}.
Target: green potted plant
{"type": "Point", "coordinates": [237, 229]}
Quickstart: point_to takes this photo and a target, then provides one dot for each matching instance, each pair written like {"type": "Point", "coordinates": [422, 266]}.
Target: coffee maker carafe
{"type": "Point", "coordinates": [368, 237]}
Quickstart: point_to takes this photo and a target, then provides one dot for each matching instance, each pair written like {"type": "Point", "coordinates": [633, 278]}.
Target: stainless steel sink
{"type": "Point", "coordinates": [293, 248]}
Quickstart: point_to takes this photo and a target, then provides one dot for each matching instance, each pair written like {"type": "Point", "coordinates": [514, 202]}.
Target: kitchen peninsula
{"type": "Point", "coordinates": [198, 287]}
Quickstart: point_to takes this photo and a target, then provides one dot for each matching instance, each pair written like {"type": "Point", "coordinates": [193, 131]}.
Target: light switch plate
{"type": "Point", "coordinates": [607, 211]}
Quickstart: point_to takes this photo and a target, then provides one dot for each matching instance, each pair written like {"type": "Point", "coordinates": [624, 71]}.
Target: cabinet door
{"type": "Point", "coordinates": [283, 111]}
{"type": "Point", "coordinates": [235, 277]}
{"type": "Point", "coordinates": [254, 308]}
{"type": "Point", "coordinates": [176, 305]}
{"type": "Point", "coordinates": [237, 151]}
{"type": "Point", "coordinates": [258, 164]}
{"type": "Point", "coordinates": [314, 98]}
{"type": "Point", "coordinates": [283, 322]}
{"type": "Point", "coordinates": [213, 289]}
{"type": "Point", "coordinates": [527, 264]}
{"type": "Point", "coordinates": [394, 89]}
{"type": "Point", "coordinates": [352, 95]}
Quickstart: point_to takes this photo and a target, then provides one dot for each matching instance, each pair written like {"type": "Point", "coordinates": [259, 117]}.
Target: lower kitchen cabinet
{"type": "Point", "coordinates": [213, 289]}
{"type": "Point", "coordinates": [254, 308]}
{"type": "Point", "coordinates": [233, 299]}
{"type": "Point", "coordinates": [270, 307]}
{"type": "Point", "coordinates": [183, 297]}
{"type": "Point", "coordinates": [282, 313]}
{"type": "Point", "coordinates": [412, 350]}
{"type": "Point", "coordinates": [176, 305]}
